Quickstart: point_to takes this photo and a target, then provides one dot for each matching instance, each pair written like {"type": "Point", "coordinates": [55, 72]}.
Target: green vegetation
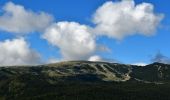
{"type": "Point", "coordinates": [39, 90]}
{"type": "Point", "coordinates": [46, 83]}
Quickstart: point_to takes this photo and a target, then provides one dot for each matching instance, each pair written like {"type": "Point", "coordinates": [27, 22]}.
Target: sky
{"type": "Point", "coordinates": [48, 31]}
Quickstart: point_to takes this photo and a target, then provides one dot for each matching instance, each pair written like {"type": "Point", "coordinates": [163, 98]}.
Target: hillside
{"type": "Point", "coordinates": [85, 80]}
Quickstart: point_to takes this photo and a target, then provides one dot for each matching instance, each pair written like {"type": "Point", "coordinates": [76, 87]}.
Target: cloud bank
{"type": "Point", "coordinates": [17, 52]}
{"type": "Point", "coordinates": [140, 64]}
{"type": "Point", "coordinates": [115, 20]}
{"type": "Point", "coordinates": [74, 40]}
{"type": "Point", "coordinates": [16, 19]}
{"type": "Point", "coordinates": [120, 19]}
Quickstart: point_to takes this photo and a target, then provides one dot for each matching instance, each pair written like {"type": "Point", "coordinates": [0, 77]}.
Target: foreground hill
{"type": "Point", "coordinates": [83, 80]}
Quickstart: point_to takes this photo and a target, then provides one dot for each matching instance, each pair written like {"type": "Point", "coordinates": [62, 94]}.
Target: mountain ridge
{"type": "Point", "coordinates": [85, 81]}
{"type": "Point", "coordinates": [103, 71]}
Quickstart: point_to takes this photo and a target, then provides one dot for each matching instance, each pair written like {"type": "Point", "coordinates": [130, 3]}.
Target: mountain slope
{"type": "Point", "coordinates": [83, 80]}
{"type": "Point", "coordinates": [92, 71]}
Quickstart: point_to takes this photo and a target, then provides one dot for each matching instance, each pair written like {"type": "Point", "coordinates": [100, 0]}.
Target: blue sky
{"type": "Point", "coordinates": [131, 49]}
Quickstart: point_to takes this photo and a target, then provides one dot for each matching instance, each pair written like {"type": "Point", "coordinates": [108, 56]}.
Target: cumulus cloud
{"type": "Point", "coordinates": [99, 58]}
{"type": "Point", "coordinates": [95, 58]}
{"type": "Point", "coordinates": [17, 19]}
{"type": "Point", "coordinates": [159, 57]}
{"type": "Point", "coordinates": [113, 19]}
{"type": "Point", "coordinates": [140, 64]}
{"type": "Point", "coordinates": [75, 41]}
{"type": "Point", "coordinates": [120, 19]}
{"type": "Point", "coordinates": [17, 52]}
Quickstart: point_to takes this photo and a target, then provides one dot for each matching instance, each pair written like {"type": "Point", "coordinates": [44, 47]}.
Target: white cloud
{"type": "Point", "coordinates": [17, 52]}
{"type": "Point", "coordinates": [120, 19]}
{"type": "Point", "coordinates": [75, 41]}
{"type": "Point", "coordinates": [16, 19]}
{"type": "Point", "coordinates": [95, 58]}
{"type": "Point", "coordinates": [99, 58]}
{"type": "Point", "coordinates": [140, 64]}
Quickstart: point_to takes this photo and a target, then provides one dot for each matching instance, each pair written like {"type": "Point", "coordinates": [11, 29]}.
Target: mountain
{"type": "Point", "coordinates": [67, 80]}
{"type": "Point", "coordinates": [92, 71]}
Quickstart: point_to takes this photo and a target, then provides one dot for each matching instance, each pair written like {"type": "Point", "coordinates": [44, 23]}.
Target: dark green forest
{"type": "Point", "coordinates": [85, 81]}
{"type": "Point", "coordinates": [36, 89]}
